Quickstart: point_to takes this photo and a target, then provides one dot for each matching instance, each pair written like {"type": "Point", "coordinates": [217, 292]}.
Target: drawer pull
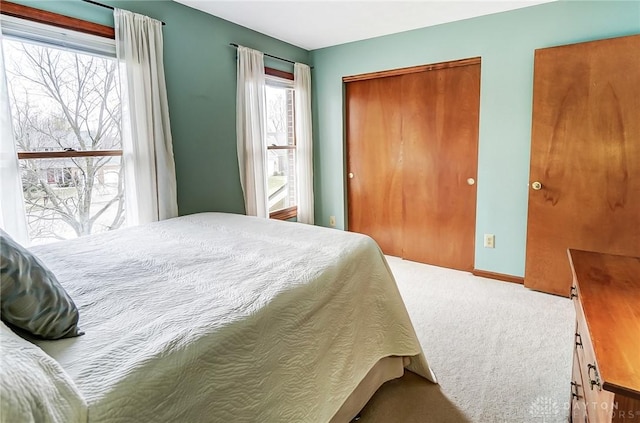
{"type": "Point", "coordinates": [578, 340]}
{"type": "Point", "coordinates": [574, 292]}
{"type": "Point", "coordinates": [574, 394]}
{"type": "Point", "coordinates": [596, 379]}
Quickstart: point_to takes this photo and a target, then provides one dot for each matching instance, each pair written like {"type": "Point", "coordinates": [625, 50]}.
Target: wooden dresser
{"type": "Point", "coordinates": [605, 384]}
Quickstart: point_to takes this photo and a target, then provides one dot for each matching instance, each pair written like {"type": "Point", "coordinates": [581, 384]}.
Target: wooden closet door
{"type": "Point", "coordinates": [374, 161]}
{"type": "Point", "coordinates": [585, 154]}
{"type": "Point", "coordinates": [440, 146]}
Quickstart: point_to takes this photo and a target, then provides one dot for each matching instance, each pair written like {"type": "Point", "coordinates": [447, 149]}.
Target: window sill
{"type": "Point", "coordinates": [284, 214]}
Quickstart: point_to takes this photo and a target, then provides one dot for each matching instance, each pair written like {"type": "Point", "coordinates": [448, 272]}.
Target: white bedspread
{"type": "Point", "coordinates": [224, 318]}
{"type": "Point", "coordinates": [33, 386]}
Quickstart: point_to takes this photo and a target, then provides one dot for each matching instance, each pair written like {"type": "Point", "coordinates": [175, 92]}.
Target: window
{"type": "Point", "coordinates": [281, 144]}
{"type": "Point", "coordinates": [65, 104]}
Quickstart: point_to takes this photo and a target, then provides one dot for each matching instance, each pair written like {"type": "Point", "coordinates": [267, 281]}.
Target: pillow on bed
{"type": "Point", "coordinates": [33, 386]}
{"type": "Point", "coordinates": [31, 297]}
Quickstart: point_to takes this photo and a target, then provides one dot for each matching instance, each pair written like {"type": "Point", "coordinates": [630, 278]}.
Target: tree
{"type": "Point", "coordinates": [276, 115]}
{"type": "Point", "coordinates": [65, 100]}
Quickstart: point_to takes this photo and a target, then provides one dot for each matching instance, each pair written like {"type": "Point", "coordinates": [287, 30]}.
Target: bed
{"type": "Point", "coordinates": [218, 317]}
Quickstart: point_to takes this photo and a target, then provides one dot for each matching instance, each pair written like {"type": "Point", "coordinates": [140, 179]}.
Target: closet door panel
{"type": "Point", "coordinates": [374, 161]}
{"type": "Point", "coordinates": [440, 117]}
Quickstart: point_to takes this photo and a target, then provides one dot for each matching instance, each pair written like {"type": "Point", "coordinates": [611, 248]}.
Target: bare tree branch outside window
{"type": "Point", "coordinates": [281, 147]}
{"type": "Point", "coordinates": [64, 100]}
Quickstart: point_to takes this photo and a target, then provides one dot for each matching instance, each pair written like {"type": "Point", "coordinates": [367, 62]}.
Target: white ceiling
{"type": "Point", "coordinates": [315, 24]}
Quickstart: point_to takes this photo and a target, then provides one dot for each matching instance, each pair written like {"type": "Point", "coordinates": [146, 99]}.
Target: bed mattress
{"type": "Point", "coordinates": [218, 317]}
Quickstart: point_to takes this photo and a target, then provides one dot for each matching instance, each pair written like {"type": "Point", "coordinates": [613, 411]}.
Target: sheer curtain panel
{"type": "Point", "coordinates": [12, 213]}
{"type": "Point", "coordinates": [304, 142]}
{"type": "Point", "coordinates": [150, 177]}
{"type": "Point", "coordinates": [250, 129]}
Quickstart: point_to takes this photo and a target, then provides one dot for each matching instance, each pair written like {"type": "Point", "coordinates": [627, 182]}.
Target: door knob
{"type": "Point", "coordinates": [536, 185]}
{"type": "Point", "coordinates": [350, 175]}
{"type": "Point", "coordinates": [471, 181]}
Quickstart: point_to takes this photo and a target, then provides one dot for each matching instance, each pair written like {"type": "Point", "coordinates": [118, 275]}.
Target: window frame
{"type": "Point", "coordinates": [60, 154]}
{"type": "Point", "coordinates": [56, 20]}
{"type": "Point", "coordinates": [66, 22]}
{"type": "Point", "coordinates": [288, 212]}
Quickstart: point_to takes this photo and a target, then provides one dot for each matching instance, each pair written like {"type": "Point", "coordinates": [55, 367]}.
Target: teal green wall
{"type": "Point", "coordinates": [200, 71]}
{"type": "Point", "coordinates": [506, 43]}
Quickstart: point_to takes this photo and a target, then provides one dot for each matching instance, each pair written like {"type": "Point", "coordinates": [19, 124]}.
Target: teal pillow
{"type": "Point", "coordinates": [31, 297]}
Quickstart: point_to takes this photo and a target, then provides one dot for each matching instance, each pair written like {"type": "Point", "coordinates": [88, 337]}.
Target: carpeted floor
{"type": "Point", "coordinates": [501, 352]}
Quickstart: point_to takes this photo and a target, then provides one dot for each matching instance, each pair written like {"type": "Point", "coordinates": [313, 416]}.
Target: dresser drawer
{"type": "Point", "coordinates": [599, 403]}
{"type": "Point", "coordinates": [584, 350]}
{"type": "Point", "coordinates": [578, 402]}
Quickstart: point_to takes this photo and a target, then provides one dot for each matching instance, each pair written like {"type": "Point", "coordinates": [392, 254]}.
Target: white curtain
{"type": "Point", "coordinates": [250, 129]}
{"type": "Point", "coordinates": [12, 213]}
{"type": "Point", "coordinates": [150, 177]}
{"type": "Point", "coordinates": [304, 143]}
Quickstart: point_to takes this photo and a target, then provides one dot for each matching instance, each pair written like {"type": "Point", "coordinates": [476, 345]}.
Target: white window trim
{"type": "Point", "coordinates": [50, 35]}
{"type": "Point", "coordinates": [276, 81]}
{"type": "Point", "coordinates": [291, 211]}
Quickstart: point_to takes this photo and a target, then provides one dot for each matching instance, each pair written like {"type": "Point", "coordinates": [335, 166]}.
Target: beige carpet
{"type": "Point", "coordinates": [501, 352]}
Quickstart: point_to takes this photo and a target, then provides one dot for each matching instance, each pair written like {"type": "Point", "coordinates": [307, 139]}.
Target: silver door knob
{"type": "Point", "coordinates": [471, 181]}
{"type": "Point", "coordinates": [350, 175]}
{"type": "Point", "coordinates": [536, 185]}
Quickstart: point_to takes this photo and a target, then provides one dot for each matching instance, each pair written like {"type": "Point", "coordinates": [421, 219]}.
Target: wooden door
{"type": "Point", "coordinates": [440, 147]}
{"type": "Point", "coordinates": [374, 161]}
{"type": "Point", "coordinates": [412, 160]}
{"type": "Point", "coordinates": [585, 154]}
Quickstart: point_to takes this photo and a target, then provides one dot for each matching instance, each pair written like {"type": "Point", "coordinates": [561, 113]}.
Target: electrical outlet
{"type": "Point", "coordinates": [332, 221]}
{"type": "Point", "coordinates": [489, 241]}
